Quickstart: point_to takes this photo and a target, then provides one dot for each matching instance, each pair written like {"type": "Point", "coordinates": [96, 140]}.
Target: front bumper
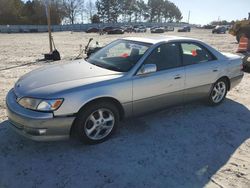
{"type": "Point", "coordinates": [39, 126]}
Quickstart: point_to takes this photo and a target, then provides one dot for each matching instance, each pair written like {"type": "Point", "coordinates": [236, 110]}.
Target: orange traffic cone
{"type": "Point", "coordinates": [243, 45]}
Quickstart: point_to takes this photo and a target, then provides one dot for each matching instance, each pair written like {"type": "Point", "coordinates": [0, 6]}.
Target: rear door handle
{"type": "Point", "coordinates": [215, 69]}
{"type": "Point", "coordinates": [177, 77]}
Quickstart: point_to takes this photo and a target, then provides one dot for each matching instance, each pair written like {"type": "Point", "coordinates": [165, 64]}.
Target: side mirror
{"type": "Point", "coordinates": [146, 69]}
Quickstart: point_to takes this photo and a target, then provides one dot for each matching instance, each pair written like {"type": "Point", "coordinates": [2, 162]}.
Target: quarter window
{"type": "Point", "coordinates": [165, 56]}
{"type": "Point", "coordinates": [194, 54]}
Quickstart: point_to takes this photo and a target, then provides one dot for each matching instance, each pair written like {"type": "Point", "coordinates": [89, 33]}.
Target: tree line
{"type": "Point", "coordinates": [137, 10]}
{"type": "Point", "coordinates": [16, 12]}
{"type": "Point", "coordinates": [222, 22]}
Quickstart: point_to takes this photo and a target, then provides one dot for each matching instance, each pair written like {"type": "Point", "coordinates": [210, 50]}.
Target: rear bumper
{"type": "Point", "coordinates": [235, 81]}
{"type": "Point", "coordinates": [34, 125]}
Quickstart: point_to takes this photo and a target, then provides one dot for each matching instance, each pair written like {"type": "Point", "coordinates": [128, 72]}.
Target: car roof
{"type": "Point", "coordinates": [158, 39]}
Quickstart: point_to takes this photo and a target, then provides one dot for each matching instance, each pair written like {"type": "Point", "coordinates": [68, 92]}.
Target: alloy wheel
{"type": "Point", "coordinates": [99, 124]}
{"type": "Point", "coordinates": [219, 92]}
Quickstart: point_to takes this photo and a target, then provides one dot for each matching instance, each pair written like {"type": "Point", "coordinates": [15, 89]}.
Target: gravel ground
{"type": "Point", "coordinates": [186, 146]}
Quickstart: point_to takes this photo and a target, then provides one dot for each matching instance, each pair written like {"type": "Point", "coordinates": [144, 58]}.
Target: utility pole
{"type": "Point", "coordinates": [52, 55]}
{"type": "Point", "coordinates": [49, 26]}
{"type": "Point", "coordinates": [189, 16]}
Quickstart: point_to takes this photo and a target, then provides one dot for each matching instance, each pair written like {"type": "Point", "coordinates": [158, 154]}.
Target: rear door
{"type": "Point", "coordinates": [201, 69]}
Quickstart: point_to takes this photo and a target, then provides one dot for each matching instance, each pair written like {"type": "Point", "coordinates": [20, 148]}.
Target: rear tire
{"type": "Point", "coordinates": [96, 122]}
{"type": "Point", "coordinates": [218, 92]}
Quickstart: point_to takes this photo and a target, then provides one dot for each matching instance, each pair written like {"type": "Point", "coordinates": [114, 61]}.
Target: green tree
{"type": "Point", "coordinates": [95, 19]}
{"type": "Point", "coordinates": [155, 10]}
{"type": "Point", "coordinates": [14, 12]}
{"type": "Point", "coordinates": [10, 12]}
{"type": "Point", "coordinates": [142, 9]}
{"type": "Point", "coordinates": [108, 10]}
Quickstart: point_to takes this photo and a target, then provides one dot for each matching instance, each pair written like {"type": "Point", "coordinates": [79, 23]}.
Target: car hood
{"type": "Point", "coordinates": [55, 78]}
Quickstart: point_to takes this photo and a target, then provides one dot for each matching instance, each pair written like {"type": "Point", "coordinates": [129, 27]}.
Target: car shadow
{"type": "Point", "coordinates": [179, 147]}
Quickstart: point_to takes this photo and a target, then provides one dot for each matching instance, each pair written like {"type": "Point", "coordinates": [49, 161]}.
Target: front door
{"type": "Point", "coordinates": [163, 87]}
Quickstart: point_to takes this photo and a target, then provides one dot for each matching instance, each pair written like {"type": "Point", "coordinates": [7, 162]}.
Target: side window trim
{"type": "Point", "coordinates": [180, 53]}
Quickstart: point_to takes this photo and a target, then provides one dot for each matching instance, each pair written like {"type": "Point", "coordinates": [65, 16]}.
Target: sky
{"type": "Point", "coordinates": [205, 11]}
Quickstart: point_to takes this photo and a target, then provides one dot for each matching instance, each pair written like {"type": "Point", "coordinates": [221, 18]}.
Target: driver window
{"type": "Point", "coordinates": [166, 56]}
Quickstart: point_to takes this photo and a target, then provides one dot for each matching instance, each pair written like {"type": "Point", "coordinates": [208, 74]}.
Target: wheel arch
{"type": "Point", "coordinates": [228, 81]}
{"type": "Point", "coordinates": [113, 100]}
{"type": "Point", "coordinates": [98, 100]}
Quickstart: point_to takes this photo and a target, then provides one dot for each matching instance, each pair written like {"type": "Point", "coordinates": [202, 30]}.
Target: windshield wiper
{"type": "Point", "coordinates": [98, 65]}
{"type": "Point", "coordinates": [110, 67]}
{"type": "Point", "coordinates": [107, 66]}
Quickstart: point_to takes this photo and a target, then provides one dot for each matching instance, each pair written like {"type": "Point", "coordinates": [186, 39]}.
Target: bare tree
{"type": "Point", "coordinates": [91, 9]}
{"type": "Point", "coordinates": [73, 8]}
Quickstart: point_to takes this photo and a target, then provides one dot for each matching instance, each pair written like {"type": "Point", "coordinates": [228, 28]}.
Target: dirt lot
{"type": "Point", "coordinates": [186, 146]}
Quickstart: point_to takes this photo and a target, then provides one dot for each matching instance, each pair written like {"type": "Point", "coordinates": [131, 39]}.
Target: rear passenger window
{"type": "Point", "coordinates": [165, 56]}
{"type": "Point", "coordinates": [194, 54]}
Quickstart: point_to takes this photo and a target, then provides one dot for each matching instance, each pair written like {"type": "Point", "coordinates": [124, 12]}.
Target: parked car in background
{"type": "Point", "coordinates": [126, 78]}
{"type": "Point", "coordinates": [115, 30]}
{"type": "Point", "coordinates": [153, 27]}
{"type": "Point", "coordinates": [140, 29]}
{"type": "Point", "coordinates": [228, 27]}
{"type": "Point", "coordinates": [107, 29]}
{"type": "Point", "coordinates": [92, 30]}
{"type": "Point", "coordinates": [135, 27]}
{"type": "Point", "coordinates": [208, 26]}
{"type": "Point", "coordinates": [157, 30]}
{"type": "Point", "coordinates": [169, 28]}
{"type": "Point", "coordinates": [128, 29]}
{"type": "Point", "coordinates": [219, 30]}
{"type": "Point", "coordinates": [185, 29]}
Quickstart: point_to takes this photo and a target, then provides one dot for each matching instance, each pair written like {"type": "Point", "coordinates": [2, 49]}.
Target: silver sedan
{"type": "Point", "coordinates": [128, 77]}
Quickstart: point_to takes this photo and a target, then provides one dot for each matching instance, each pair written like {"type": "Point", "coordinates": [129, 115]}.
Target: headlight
{"type": "Point", "coordinates": [40, 104]}
{"type": "Point", "coordinates": [49, 105]}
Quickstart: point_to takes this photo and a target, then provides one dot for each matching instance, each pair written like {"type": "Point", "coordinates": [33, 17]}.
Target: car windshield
{"type": "Point", "coordinates": [120, 55]}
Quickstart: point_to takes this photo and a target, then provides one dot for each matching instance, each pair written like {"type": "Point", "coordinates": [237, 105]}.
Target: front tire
{"type": "Point", "coordinates": [218, 92]}
{"type": "Point", "coordinates": [96, 122]}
